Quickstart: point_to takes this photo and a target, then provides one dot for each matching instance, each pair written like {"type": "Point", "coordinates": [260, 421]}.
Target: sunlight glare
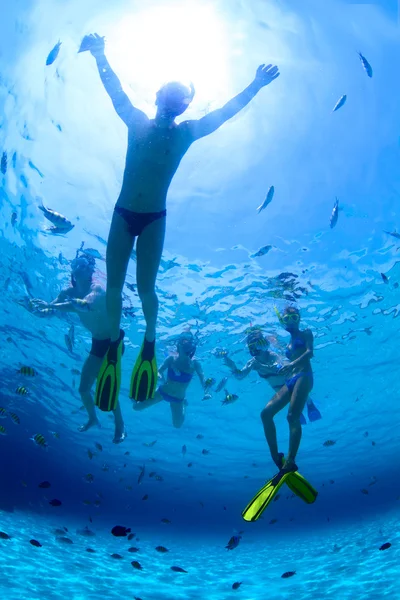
{"type": "Point", "coordinates": [184, 42]}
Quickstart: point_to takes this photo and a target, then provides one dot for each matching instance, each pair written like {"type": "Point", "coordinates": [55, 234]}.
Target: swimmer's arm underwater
{"type": "Point", "coordinates": [211, 122]}
{"type": "Point", "coordinates": [123, 106]}
{"type": "Point", "coordinates": [199, 370]}
{"type": "Point", "coordinates": [239, 373]}
{"type": "Point", "coordinates": [164, 367]}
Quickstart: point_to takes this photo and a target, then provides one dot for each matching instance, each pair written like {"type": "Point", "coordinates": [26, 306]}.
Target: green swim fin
{"type": "Point", "coordinates": [109, 377]}
{"type": "Point", "coordinates": [300, 486]}
{"type": "Point", "coordinates": [264, 496]}
{"type": "Point", "coordinates": [145, 373]}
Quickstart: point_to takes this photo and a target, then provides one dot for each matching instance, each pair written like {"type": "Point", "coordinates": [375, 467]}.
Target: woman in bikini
{"type": "Point", "coordinates": [155, 149]}
{"type": "Point", "coordinates": [298, 384]}
{"type": "Point", "coordinates": [180, 371]}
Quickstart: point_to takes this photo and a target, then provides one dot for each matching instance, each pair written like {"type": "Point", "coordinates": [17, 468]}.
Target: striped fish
{"type": "Point", "coordinates": [61, 223]}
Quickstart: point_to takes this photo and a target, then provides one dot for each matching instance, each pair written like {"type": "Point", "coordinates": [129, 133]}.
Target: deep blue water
{"type": "Point", "coordinates": [66, 147]}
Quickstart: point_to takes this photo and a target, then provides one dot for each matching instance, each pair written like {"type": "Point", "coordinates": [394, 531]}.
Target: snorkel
{"type": "Point", "coordinates": [187, 344]}
{"type": "Point", "coordinates": [256, 342]}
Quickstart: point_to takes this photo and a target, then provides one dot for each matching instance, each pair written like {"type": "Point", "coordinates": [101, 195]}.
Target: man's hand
{"type": "Point", "coordinates": [266, 74]}
{"type": "Point", "coordinates": [39, 305]}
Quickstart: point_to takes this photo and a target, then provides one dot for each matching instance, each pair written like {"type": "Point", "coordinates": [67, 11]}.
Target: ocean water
{"type": "Point", "coordinates": [62, 144]}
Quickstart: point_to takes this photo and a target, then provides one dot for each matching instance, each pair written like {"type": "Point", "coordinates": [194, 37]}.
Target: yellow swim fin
{"type": "Point", "coordinates": [145, 373]}
{"type": "Point", "coordinates": [109, 377]}
{"type": "Point", "coordinates": [264, 497]}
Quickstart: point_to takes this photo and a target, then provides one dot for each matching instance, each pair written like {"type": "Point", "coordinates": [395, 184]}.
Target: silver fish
{"type": "Point", "coordinates": [67, 340]}
{"type": "Point", "coordinates": [335, 214]}
{"type": "Point", "coordinates": [393, 234]}
{"type": "Point", "coordinates": [221, 384]}
{"type": "Point", "coordinates": [71, 334]}
{"type": "Point", "coordinates": [366, 65]}
{"type": "Point", "coordinates": [268, 199]}
{"type": "Point", "coordinates": [340, 103]}
{"type": "Point", "coordinates": [262, 251]}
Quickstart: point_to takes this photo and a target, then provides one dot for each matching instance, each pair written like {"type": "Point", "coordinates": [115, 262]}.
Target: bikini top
{"type": "Point", "coordinates": [294, 345]}
{"type": "Point", "coordinates": [182, 377]}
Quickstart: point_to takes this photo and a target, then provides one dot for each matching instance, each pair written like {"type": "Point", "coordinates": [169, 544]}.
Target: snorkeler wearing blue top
{"type": "Point", "coordinates": [268, 365]}
{"type": "Point", "coordinates": [298, 384]}
{"type": "Point", "coordinates": [180, 371]}
{"type": "Point", "coordinates": [88, 300]}
{"type": "Point", "coordinates": [155, 149]}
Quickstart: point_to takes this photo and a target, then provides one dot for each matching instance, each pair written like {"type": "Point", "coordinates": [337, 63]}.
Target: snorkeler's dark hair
{"type": "Point", "coordinates": [90, 264]}
{"type": "Point", "coordinates": [291, 310]}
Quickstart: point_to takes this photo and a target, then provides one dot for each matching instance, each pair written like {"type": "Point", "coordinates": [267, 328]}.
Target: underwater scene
{"type": "Point", "coordinates": [200, 289]}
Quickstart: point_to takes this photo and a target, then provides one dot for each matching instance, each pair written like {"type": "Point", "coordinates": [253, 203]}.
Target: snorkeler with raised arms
{"type": "Point", "coordinates": [295, 390]}
{"type": "Point", "coordinates": [87, 299]}
{"type": "Point", "coordinates": [155, 150]}
{"type": "Point", "coordinates": [179, 373]}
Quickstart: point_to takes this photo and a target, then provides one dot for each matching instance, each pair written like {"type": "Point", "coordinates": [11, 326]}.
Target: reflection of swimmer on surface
{"type": "Point", "coordinates": [155, 150]}
{"type": "Point", "coordinates": [267, 364]}
{"type": "Point", "coordinates": [180, 371]}
{"type": "Point", "coordinates": [93, 315]}
{"type": "Point", "coordinates": [298, 384]}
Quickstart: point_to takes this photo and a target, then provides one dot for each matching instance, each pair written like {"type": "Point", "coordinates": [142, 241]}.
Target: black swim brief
{"type": "Point", "coordinates": [136, 221]}
{"type": "Point", "coordinates": [99, 347]}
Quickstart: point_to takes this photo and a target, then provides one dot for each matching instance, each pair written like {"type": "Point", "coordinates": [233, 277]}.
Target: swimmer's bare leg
{"type": "Point", "coordinates": [89, 373]}
{"type": "Point", "coordinates": [119, 249]}
{"type": "Point", "coordinates": [177, 413]}
{"type": "Point", "coordinates": [120, 433]}
{"type": "Point", "coordinates": [147, 403]}
{"type": "Point", "coordinates": [149, 249]}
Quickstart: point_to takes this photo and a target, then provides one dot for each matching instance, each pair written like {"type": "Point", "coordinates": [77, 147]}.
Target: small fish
{"type": "Point", "coordinates": [133, 549]}
{"type": "Point", "coordinates": [221, 384]}
{"type": "Point", "coordinates": [166, 521]}
{"type": "Point", "coordinates": [209, 382]}
{"type": "Point", "coordinates": [229, 398]}
{"type": "Point", "coordinates": [59, 532]}
{"type": "Point", "coordinates": [120, 531]}
{"type": "Point", "coordinates": [55, 434]}
{"type": "Point", "coordinates": [89, 478]}
{"type": "Point", "coordinates": [288, 574]}
{"type": "Point", "coordinates": [273, 521]}
{"type": "Point", "coordinates": [385, 278]}
{"type": "Point", "coordinates": [233, 542]}
{"type": "Point", "coordinates": [161, 549]}
{"type": "Point", "coordinates": [90, 550]}
{"type": "Point", "coordinates": [393, 234]}
{"type": "Point", "coordinates": [335, 214]}
{"type": "Point", "coordinates": [86, 532]}
{"type": "Point", "coordinates": [190, 464]}
{"type": "Point", "coordinates": [64, 540]}
{"type": "Point", "coordinates": [220, 352]}
{"type": "Point", "coordinates": [116, 556]}
{"type": "Point", "coordinates": [90, 454]}
{"type": "Point", "coordinates": [53, 54]}
{"type": "Point", "coordinates": [68, 342]}
{"type": "Point", "coordinates": [35, 543]}
{"type": "Point", "coordinates": [58, 220]}
{"type": "Point", "coordinates": [3, 430]}
{"type": "Point", "coordinates": [145, 497]}
{"type": "Point", "coordinates": [29, 371]}
{"type": "Point", "coordinates": [364, 491]}
{"type": "Point", "coordinates": [206, 397]}
{"type": "Point", "coordinates": [199, 436]}
{"type": "Point", "coordinates": [131, 536]}
{"type": "Point", "coordinates": [340, 103]}
{"type": "Point", "coordinates": [178, 570]}
{"type": "Point", "coordinates": [329, 443]}
{"type": "Point", "coordinates": [150, 444]}
{"type": "Point", "coordinates": [366, 65]}
{"type": "Point", "coordinates": [39, 440]}
{"type": "Point", "coordinates": [22, 391]}
{"type": "Point", "coordinates": [3, 163]}
{"type": "Point", "coordinates": [141, 475]}
{"type": "Point", "coordinates": [71, 334]}
{"type": "Point", "coordinates": [385, 546]}
{"type": "Point", "coordinates": [3, 413]}
{"type": "Point", "coordinates": [14, 218]}
{"type": "Point", "coordinates": [205, 452]}
{"type": "Point", "coordinates": [262, 251]}
{"type": "Point", "coordinates": [159, 478]}
{"type": "Point", "coordinates": [55, 502]}
{"type": "Point", "coordinates": [99, 447]}
{"type": "Point", "coordinates": [184, 449]}
{"type": "Point", "coordinates": [4, 536]}
{"type": "Point", "coordinates": [44, 484]}
{"type": "Point", "coordinates": [268, 199]}
{"type": "Point", "coordinates": [136, 565]}
{"type": "Point", "coordinates": [236, 585]}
